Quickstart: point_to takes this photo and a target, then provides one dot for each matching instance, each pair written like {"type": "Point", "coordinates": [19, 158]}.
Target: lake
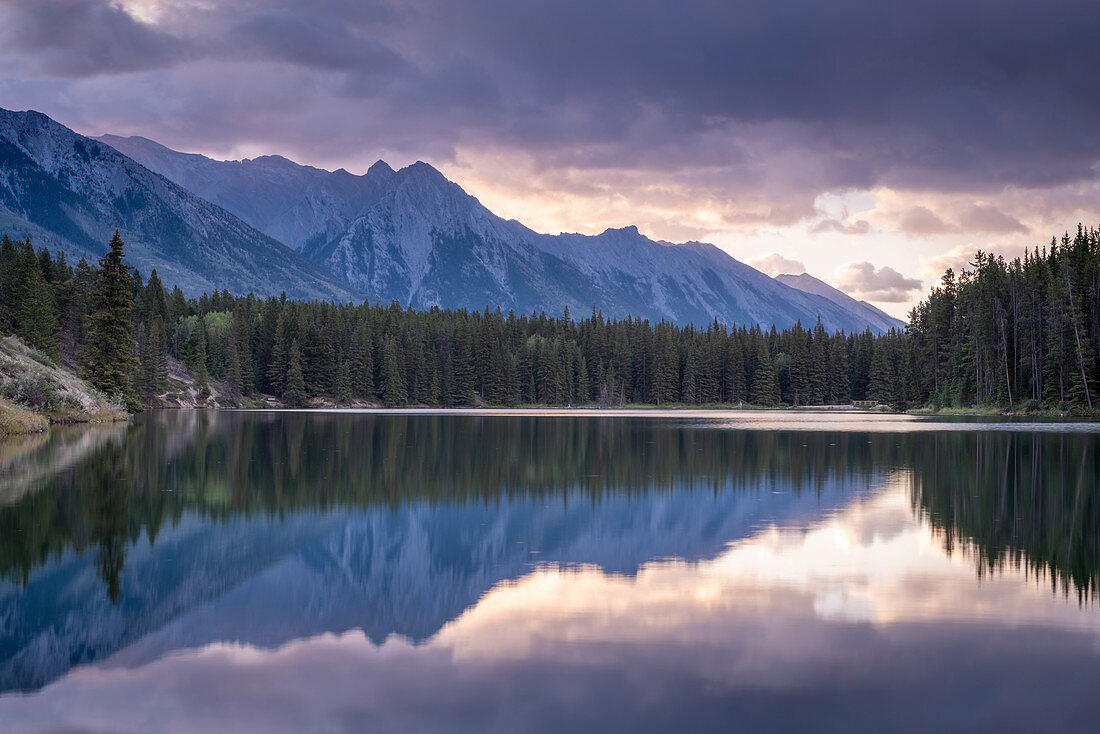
{"type": "Point", "coordinates": [550, 571]}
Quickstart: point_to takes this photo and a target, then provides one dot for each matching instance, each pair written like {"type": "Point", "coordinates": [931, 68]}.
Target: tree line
{"type": "Point", "coordinates": [1003, 334]}
{"type": "Point", "coordinates": [1019, 333]}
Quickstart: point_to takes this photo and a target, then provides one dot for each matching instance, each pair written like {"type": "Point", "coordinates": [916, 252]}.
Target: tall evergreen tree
{"type": "Point", "coordinates": [394, 388]}
{"type": "Point", "coordinates": [294, 395]}
{"type": "Point", "coordinates": [107, 357]}
{"type": "Point", "coordinates": [765, 389]}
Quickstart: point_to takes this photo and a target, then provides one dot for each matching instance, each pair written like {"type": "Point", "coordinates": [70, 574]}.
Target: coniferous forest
{"type": "Point", "coordinates": [1023, 334]}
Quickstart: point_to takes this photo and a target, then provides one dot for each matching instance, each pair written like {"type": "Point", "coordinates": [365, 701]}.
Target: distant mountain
{"type": "Point", "coordinates": [878, 320]}
{"type": "Point", "coordinates": [414, 236]}
{"type": "Point", "coordinates": [301, 206]}
{"type": "Point", "coordinates": [70, 192]}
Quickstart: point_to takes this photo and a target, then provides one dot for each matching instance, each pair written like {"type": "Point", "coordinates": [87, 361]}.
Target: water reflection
{"type": "Point", "coordinates": [1029, 501]}
{"type": "Point", "coordinates": [472, 573]}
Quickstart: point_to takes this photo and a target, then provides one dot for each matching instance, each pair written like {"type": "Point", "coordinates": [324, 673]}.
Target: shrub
{"type": "Point", "coordinates": [35, 392]}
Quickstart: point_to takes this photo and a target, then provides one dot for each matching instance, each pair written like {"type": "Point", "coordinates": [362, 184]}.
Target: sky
{"type": "Point", "coordinates": [870, 143]}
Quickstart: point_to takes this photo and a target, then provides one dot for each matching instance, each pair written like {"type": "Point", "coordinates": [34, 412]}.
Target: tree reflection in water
{"type": "Point", "coordinates": [1014, 498]}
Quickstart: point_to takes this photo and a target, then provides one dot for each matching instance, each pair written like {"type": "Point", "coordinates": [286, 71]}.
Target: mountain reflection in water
{"type": "Point", "coordinates": [658, 571]}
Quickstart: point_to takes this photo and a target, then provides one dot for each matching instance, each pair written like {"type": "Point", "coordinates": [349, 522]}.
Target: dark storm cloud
{"type": "Point", "coordinates": [790, 97]}
{"type": "Point", "coordinates": [312, 41]}
{"type": "Point", "coordinates": [927, 94]}
{"type": "Point", "coordinates": [79, 38]}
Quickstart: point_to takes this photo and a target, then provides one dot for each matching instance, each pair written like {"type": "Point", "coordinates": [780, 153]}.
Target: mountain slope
{"type": "Point", "coordinates": [71, 192]}
{"type": "Point", "coordinates": [301, 206]}
{"type": "Point", "coordinates": [429, 243]}
{"type": "Point", "coordinates": [878, 320]}
{"type": "Point", "coordinates": [414, 236]}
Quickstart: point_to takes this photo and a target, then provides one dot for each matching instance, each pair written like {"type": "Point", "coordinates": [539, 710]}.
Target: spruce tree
{"type": "Point", "coordinates": [690, 379]}
{"type": "Point", "coordinates": [36, 308]}
{"type": "Point", "coordinates": [202, 378]}
{"type": "Point", "coordinates": [880, 380]}
{"type": "Point", "coordinates": [765, 389]}
{"type": "Point", "coordinates": [9, 279]}
{"type": "Point", "coordinates": [294, 395]}
{"type": "Point", "coordinates": [735, 370]}
{"type": "Point", "coordinates": [342, 388]}
{"type": "Point", "coordinates": [462, 366]}
{"type": "Point", "coordinates": [839, 388]}
{"type": "Point", "coordinates": [152, 367]}
{"type": "Point", "coordinates": [107, 358]}
{"type": "Point", "coordinates": [394, 390]}
{"type": "Point", "coordinates": [362, 361]}
{"type": "Point", "coordinates": [665, 377]}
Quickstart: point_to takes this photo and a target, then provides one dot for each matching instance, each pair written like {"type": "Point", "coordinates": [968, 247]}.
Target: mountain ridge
{"type": "Point", "coordinates": [414, 236]}
{"type": "Point", "coordinates": [809, 284]}
{"type": "Point", "coordinates": [72, 193]}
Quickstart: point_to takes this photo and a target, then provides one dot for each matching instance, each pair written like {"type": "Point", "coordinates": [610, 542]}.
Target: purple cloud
{"type": "Point", "coordinates": [756, 106]}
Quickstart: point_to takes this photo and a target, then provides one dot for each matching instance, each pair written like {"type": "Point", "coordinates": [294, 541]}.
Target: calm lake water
{"type": "Point", "coordinates": [538, 571]}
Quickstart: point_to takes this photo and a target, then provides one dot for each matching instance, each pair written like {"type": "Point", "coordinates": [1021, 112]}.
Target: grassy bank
{"type": "Point", "coordinates": [35, 391]}
{"type": "Point", "coordinates": [16, 421]}
{"type": "Point", "coordinates": [990, 411]}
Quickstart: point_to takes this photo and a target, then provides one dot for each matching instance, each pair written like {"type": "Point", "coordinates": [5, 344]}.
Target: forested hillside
{"type": "Point", "coordinates": [1019, 334]}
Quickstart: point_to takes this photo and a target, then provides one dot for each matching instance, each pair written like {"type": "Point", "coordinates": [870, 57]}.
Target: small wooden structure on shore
{"type": "Point", "coordinates": [865, 403]}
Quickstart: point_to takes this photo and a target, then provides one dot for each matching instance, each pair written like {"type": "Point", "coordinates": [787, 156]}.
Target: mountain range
{"type": "Point", "coordinates": [71, 193]}
{"type": "Point", "coordinates": [269, 225]}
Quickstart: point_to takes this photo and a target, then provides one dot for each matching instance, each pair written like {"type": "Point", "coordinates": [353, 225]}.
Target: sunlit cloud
{"type": "Point", "coordinates": [775, 264]}
{"type": "Point", "coordinates": [863, 280]}
{"type": "Point", "coordinates": [855, 227]}
{"type": "Point", "coordinates": [962, 257]}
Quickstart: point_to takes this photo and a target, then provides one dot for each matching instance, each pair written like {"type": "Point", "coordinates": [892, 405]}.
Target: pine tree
{"type": "Point", "coordinates": [689, 382]}
{"type": "Point", "coordinates": [665, 376]}
{"type": "Point", "coordinates": [880, 385]}
{"type": "Point", "coordinates": [735, 371]}
{"type": "Point", "coordinates": [9, 280]}
{"type": "Point", "coordinates": [799, 367]}
{"type": "Point", "coordinates": [108, 358]}
{"type": "Point", "coordinates": [819, 365]}
{"type": "Point", "coordinates": [294, 395]}
{"type": "Point", "coordinates": [462, 367]}
{"type": "Point", "coordinates": [242, 348]}
{"type": "Point", "coordinates": [36, 308]}
{"type": "Point", "coordinates": [342, 390]}
{"type": "Point", "coordinates": [202, 378]}
{"type": "Point", "coordinates": [394, 389]}
{"type": "Point", "coordinates": [152, 370]}
{"type": "Point", "coordinates": [233, 378]}
{"type": "Point", "coordinates": [840, 391]}
{"type": "Point", "coordinates": [765, 389]}
{"type": "Point", "coordinates": [362, 361]}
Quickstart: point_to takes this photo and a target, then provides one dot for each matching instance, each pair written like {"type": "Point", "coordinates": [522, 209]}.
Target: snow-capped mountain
{"type": "Point", "coordinates": [70, 192]}
{"type": "Point", "coordinates": [414, 236]}
{"type": "Point", "coordinates": [877, 319]}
